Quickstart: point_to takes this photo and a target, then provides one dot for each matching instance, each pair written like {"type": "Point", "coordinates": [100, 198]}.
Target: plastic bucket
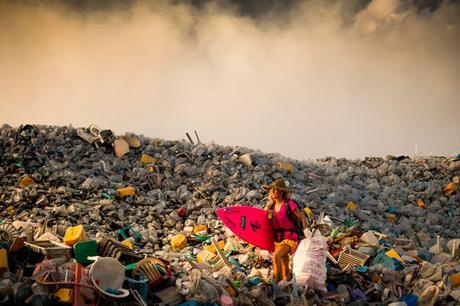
{"type": "Point", "coordinates": [107, 273]}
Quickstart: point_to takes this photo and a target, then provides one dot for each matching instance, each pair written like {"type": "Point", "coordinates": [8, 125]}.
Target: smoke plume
{"type": "Point", "coordinates": [347, 78]}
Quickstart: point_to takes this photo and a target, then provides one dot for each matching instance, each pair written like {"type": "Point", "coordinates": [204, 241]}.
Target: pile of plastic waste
{"type": "Point", "coordinates": [91, 218]}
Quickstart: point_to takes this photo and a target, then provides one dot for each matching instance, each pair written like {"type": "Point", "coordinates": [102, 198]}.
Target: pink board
{"type": "Point", "coordinates": [249, 223]}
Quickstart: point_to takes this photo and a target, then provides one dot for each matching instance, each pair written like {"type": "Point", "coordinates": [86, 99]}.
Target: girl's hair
{"type": "Point", "coordinates": [285, 195]}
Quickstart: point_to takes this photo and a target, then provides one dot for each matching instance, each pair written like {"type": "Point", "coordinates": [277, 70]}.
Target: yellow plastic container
{"type": "Point", "coordinates": [392, 217]}
{"type": "Point", "coordinates": [286, 166]}
{"type": "Point", "coordinates": [212, 249]}
{"type": "Point", "coordinates": [420, 203]}
{"type": "Point", "coordinates": [147, 159]}
{"type": "Point", "coordinates": [393, 254]}
{"type": "Point", "coordinates": [64, 295]}
{"type": "Point", "coordinates": [75, 234]}
{"type": "Point", "coordinates": [26, 181]}
{"type": "Point", "coordinates": [455, 279]}
{"type": "Point", "coordinates": [200, 230]}
{"type": "Point", "coordinates": [205, 256]}
{"type": "Point", "coordinates": [449, 189]}
{"type": "Point", "coordinates": [178, 242]}
{"type": "Point", "coordinates": [3, 261]}
{"type": "Point", "coordinates": [352, 206]}
{"type": "Point", "coordinates": [128, 243]}
{"type": "Point", "coordinates": [126, 191]}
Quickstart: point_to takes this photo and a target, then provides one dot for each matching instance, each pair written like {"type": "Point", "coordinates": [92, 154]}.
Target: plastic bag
{"type": "Point", "coordinates": [309, 262]}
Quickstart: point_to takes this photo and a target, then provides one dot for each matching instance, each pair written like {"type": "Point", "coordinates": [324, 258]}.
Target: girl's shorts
{"type": "Point", "coordinates": [290, 243]}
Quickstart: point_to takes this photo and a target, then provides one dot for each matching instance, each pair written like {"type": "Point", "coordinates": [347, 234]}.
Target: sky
{"type": "Point", "coordinates": [309, 79]}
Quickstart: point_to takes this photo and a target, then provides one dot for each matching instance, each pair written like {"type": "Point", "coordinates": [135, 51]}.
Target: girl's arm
{"type": "Point", "coordinates": [270, 201]}
{"type": "Point", "coordinates": [269, 204]}
{"type": "Point", "coordinates": [300, 216]}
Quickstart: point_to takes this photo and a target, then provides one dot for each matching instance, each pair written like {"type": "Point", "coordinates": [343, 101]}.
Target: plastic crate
{"type": "Point", "coordinates": [351, 258]}
{"type": "Point", "coordinates": [108, 247]}
{"type": "Point", "coordinates": [49, 248]}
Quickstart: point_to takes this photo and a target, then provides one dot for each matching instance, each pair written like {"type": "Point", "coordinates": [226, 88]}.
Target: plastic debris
{"type": "Point", "coordinates": [26, 181]}
{"type": "Point", "coordinates": [352, 206]}
{"type": "Point", "coordinates": [147, 159]}
{"type": "Point", "coordinates": [75, 234]}
{"type": "Point", "coordinates": [286, 166]}
{"type": "Point", "coordinates": [126, 191]}
{"type": "Point", "coordinates": [449, 189]}
{"type": "Point", "coordinates": [170, 247]}
{"type": "Point", "coordinates": [421, 203]}
{"type": "Point", "coordinates": [178, 242]}
{"type": "Point", "coordinates": [246, 159]}
{"type": "Point", "coordinates": [121, 147]}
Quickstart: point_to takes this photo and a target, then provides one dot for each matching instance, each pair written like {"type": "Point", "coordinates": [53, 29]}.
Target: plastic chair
{"type": "Point", "coordinates": [153, 269]}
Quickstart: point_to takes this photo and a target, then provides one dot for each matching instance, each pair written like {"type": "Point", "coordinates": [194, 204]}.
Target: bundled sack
{"type": "Point", "coordinates": [310, 262]}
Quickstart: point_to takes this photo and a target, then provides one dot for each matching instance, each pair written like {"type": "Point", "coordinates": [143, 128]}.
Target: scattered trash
{"type": "Point", "coordinates": [107, 275]}
{"type": "Point", "coordinates": [420, 203]}
{"type": "Point", "coordinates": [449, 189]}
{"type": "Point", "coordinates": [286, 166]}
{"type": "Point", "coordinates": [126, 191]}
{"type": "Point", "coordinates": [246, 159]}
{"type": "Point", "coordinates": [350, 258]}
{"type": "Point", "coordinates": [132, 140]}
{"type": "Point", "coordinates": [150, 219]}
{"type": "Point", "coordinates": [85, 249]}
{"type": "Point", "coordinates": [121, 147]}
{"type": "Point", "coordinates": [178, 242]}
{"type": "Point", "coordinates": [75, 234]}
{"type": "Point", "coordinates": [147, 159]}
{"type": "Point", "coordinates": [352, 206]}
{"type": "Point", "coordinates": [26, 181]}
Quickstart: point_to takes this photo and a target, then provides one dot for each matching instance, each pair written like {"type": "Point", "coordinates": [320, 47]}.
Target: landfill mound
{"type": "Point", "coordinates": [129, 197]}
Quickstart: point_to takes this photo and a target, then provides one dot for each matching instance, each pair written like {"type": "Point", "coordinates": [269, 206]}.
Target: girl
{"type": "Point", "coordinates": [286, 236]}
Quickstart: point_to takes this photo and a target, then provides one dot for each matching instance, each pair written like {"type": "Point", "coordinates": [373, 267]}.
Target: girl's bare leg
{"type": "Point", "coordinates": [278, 257]}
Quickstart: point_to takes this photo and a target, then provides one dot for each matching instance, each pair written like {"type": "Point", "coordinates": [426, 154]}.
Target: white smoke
{"type": "Point", "coordinates": [309, 85]}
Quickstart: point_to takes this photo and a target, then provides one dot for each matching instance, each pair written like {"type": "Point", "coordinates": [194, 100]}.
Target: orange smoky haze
{"type": "Point", "coordinates": [310, 83]}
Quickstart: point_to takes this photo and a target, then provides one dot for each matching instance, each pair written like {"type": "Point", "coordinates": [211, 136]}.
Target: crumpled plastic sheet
{"type": "Point", "coordinates": [429, 291]}
{"type": "Point", "coordinates": [201, 288]}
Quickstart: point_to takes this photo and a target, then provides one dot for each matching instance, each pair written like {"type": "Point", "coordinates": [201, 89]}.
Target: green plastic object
{"type": "Point", "coordinates": [83, 249]}
{"type": "Point", "coordinates": [107, 196]}
{"type": "Point", "coordinates": [127, 232]}
{"type": "Point", "coordinates": [349, 222]}
{"type": "Point", "coordinates": [130, 266]}
{"type": "Point", "coordinates": [334, 233]}
{"type": "Point", "coordinates": [201, 238]}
